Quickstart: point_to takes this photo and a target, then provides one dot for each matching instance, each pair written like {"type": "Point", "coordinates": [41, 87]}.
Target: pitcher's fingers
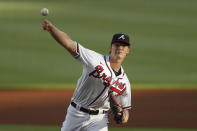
{"type": "Point", "coordinates": [45, 26]}
{"type": "Point", "coordinates": [46, 22]}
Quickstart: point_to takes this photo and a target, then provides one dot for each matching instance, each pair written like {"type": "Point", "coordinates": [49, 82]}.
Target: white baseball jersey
{"type": "Point", "coordinates": [97, 79]}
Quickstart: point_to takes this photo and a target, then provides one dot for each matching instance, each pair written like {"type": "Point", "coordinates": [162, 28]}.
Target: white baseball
{"type": "Point", "coordinates": [44, 11]}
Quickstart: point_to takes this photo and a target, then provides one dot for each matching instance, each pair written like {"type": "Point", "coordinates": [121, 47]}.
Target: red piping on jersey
{"type": "Point", "coordinates": [104, 87]}
{"type": "Point", "coordinates": [108, 66]}
{"type": "Point", "coordinates": [78, 53]}
{"type": "Point", "coordinates": [110, 87]}
{"type": "Point", "coordinates": [127, 107]}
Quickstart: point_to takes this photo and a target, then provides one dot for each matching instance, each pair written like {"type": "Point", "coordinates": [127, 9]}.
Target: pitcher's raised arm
{"type": "Point", "coordinates": [61, 37]}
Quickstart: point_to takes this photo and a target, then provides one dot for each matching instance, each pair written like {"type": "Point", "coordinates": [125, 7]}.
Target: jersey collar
{"type": "Point", "coordinates": [107, 61]}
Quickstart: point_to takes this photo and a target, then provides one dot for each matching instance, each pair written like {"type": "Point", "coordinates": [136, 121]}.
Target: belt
{"type": "Point", "coordinates": [91, 112]}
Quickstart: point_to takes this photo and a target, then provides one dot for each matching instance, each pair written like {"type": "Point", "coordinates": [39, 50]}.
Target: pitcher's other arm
{"type": "Point", "coordinates": [126, 113]}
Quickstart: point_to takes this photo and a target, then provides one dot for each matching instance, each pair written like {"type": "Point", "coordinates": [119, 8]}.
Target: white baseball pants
{"type": "Point", "coordinates": [79, 121]}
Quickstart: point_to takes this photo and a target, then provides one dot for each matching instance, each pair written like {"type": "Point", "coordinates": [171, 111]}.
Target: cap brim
{"type": "Point", "coordinates": [121, 41]}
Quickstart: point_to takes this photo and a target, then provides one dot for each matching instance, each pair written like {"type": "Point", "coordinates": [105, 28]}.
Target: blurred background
{"type": "Point", "coordinates": [162, 33]}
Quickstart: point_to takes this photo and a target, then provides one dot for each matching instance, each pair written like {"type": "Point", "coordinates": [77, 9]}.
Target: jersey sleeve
{"type": "Point", "coordinates": [86, 56]}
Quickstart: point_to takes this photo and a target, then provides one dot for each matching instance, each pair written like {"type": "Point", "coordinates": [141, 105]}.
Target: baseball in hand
{"type": "Point", "coordinates": [44, 11]}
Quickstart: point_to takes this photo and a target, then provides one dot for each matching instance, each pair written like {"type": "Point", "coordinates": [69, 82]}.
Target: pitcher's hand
{"type": "Point", "coordinates": [47, 25]}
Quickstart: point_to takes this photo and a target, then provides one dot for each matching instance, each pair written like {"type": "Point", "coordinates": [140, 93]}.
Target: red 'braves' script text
{"type": "Point", "coordinates": [116, 86]}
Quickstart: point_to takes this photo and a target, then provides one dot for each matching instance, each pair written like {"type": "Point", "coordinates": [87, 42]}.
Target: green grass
{"type": "Point", "coordinates": [28, 128]}
{"type": "Point", "coordinates": [56, 128]}
{"type": "Point", "coordinates": [163, 34]}
{"type": "Point", "coordinates": [149, 129]}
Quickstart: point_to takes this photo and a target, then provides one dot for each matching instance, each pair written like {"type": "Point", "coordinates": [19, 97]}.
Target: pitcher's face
{"type": "Point", "coordinates": [119, 50]}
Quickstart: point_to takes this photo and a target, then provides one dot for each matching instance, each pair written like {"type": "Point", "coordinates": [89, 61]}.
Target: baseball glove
{"type": "Point", "coordinates": [117, 110]}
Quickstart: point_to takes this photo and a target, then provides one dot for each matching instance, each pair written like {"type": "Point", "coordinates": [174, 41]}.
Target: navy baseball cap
{"type": "Point", "coordinates": [121, 38]}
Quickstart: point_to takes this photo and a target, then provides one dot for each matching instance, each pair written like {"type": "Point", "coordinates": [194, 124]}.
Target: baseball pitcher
{"type": "Point", "coordinates": [102, 86]}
